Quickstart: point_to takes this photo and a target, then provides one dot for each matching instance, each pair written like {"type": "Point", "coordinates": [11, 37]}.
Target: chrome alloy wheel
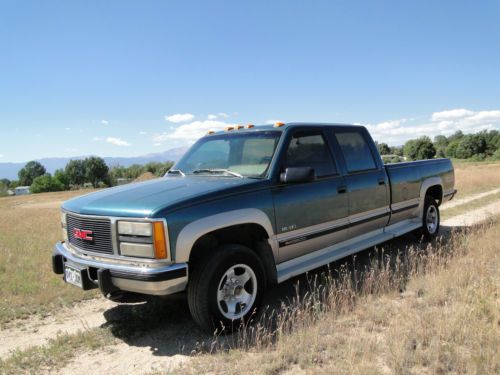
{"type": "Point", "coordinates": [237, 291]}
{"type": "Point", "coordinates": [431, 219]}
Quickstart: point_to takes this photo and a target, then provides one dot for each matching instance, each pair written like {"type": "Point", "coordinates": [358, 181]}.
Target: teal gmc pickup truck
{"type": "Point", "coordinates": [244, 209]}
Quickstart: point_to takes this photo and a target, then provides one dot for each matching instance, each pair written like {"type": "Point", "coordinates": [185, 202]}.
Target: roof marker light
{"type": "Point", "coordinates": [229, 128]}
{"type": "Point", "coordinates": [239, 127]}
{"type": "Point", "coordinates": [210, 132]}
{"type": "Point", "coordinates": [278, 124]}
{"type": "Point", "coordinates": [250, 126]}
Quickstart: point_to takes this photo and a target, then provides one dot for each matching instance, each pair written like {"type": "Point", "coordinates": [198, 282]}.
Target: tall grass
{"type": "Point", "coordinates": [429, 309]}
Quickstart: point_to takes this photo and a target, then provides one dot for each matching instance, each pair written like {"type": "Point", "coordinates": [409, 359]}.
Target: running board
{"type": "Point", "coordinates": [322, 257]}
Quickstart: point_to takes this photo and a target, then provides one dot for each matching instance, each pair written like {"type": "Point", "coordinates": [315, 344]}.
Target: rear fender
{"type": "Point", "coordinates": [426, 184]}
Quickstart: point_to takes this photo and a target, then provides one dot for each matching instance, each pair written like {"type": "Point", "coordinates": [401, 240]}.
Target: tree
{"type": "Point", "coordinates": [383, 148]}
{"type": "Point", "coordinates": [62, 178]}
{"type": "Point", "coordinates": [396, 150]}
{"type": "Point", "coordinates": [31, 170]}
{"type": "Point", "coordinates": [96, 170]}
{"type": "Point", "coordinates": [451, 149]}
{"type": "Point", "coordinates": [470, 145]}
{"type": "Point", "coordinates": [5, 182]}
{"type": "Point", "coordinates": [75, 172]}
{"type": "Point", "coordinates": [440, 143]}
{"type": "Point", "coordinates": [420, 148]}
{"type": "Point", "coordinates": [46, 183]}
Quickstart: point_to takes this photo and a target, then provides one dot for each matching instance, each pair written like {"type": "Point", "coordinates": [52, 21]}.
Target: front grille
{"type": "Point", "coordinates": [101, 234]}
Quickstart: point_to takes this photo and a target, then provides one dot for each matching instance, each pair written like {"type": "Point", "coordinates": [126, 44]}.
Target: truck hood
{"type": "Point", "coordinates": [145, 198]}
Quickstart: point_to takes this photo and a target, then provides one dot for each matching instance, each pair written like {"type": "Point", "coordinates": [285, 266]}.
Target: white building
{"type": "Point", "coordinates": [22, 190]}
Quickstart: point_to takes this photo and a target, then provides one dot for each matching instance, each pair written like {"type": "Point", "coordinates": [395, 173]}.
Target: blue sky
{"type": "Point", "coordinates": [108, 77]}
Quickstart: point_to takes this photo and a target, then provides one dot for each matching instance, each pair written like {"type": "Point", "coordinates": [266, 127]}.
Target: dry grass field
{"type": "Point", "coordinates": [432, 311]}
{"type": "Point", "coordinates": [29, 228]}
{"type": "Point", "coordinates": [473, 178]}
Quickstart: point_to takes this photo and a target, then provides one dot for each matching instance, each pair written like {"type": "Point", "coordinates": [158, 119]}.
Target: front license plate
{"type": "Point", "coordinates": [73, 276]}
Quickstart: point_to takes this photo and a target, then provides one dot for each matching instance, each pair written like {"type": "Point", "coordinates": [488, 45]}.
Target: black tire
{"type": "Point", "coordinates": [430, 227]}
{"type": "Point", "coordinates": [205, 279]}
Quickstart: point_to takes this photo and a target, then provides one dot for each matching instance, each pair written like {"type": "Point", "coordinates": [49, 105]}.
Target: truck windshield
{"type": "Point", "coordinates": [230, 155]}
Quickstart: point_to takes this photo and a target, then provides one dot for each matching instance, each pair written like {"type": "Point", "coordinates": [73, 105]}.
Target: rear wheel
{"type": "Point", "coordinates": [430, 219]}
{"type": "Point", "coordinates": [226, 289]}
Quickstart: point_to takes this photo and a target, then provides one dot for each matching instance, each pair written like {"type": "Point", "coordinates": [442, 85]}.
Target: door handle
{"type": "Point", "coordinates": [341, 189]}
{"type": "Point", "coordinates": [381, 181]}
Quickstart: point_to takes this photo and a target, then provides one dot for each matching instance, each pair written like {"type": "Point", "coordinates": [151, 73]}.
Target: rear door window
{"type": "Point", "coordinates": [356, 151]}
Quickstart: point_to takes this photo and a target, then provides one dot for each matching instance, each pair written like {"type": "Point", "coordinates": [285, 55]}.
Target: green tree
{"type": "Point", "coordinates": [420, 148]}
{"type": "Point", "coordinates": [440, 144]}
{"type": "Point", "coordinates": [31, 170]}
{"type": "Point", "coordinates": [470, 145]}
{"type": "Point", "coordinates": [383, 148]}
{"type": "Point", "coordinates": [5, 182]}
{"type": "Point", "coordinates": [96, 170]}
{"type": "Point", "coordinates": [397, 150]}
{"type": "Point", "coordinates": [61, 177]}
{"type": "Point", "coordinates": [46, 183]}
{"type": "Point", "coordinates": [451, 149]}
{"type": "Point", "coordinates": [164, 168]}
{"type": "Point", "coordinates": [75, 172]}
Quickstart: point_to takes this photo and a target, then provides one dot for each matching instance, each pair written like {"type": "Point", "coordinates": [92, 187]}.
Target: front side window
{"type": "Point", "coordinates": [309, 149]}
{"type": "Point", "coordinates": [232, 154]}
{"type": "Point", "coordinates": [356, 151]}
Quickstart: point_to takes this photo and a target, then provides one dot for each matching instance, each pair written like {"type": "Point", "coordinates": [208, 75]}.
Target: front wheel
{"type": "Point", "coordinates": [225, 289]}
{"type": "Point", "coordinates": [430, 219]}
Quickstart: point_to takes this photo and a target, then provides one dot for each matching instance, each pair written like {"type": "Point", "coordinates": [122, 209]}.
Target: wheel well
{"type": "Point", "coordinates": [252, 236]}
{"type": "Point", "coordinates": [436, 192]}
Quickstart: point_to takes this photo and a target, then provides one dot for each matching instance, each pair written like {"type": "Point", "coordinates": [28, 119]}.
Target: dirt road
{"type": "Point", "coordinates": [166, 343]}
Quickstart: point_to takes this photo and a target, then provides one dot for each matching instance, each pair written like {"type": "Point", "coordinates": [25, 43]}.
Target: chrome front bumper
{"type": "Point", "coordinates": [162, 280]}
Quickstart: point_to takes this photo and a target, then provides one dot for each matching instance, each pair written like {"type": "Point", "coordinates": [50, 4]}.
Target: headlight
{"type": "Point", "coordinates": [131, 228]}
{"type": "Point", "coordinates": [144, 240]}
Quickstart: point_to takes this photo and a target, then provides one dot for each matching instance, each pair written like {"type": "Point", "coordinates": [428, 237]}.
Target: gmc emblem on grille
{"type": "Point", "coordinates": [83, 234]}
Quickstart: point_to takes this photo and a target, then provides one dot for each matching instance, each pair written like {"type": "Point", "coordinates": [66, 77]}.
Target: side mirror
{"type": "Point", "coordinates": [297, 174]}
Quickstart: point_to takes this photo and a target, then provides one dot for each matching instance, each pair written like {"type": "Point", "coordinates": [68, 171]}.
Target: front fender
{"type": "Point", "coordinates": [191, 232]}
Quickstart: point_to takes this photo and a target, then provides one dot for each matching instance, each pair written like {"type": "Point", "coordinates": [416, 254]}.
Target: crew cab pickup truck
{"type": "Point", "coordinates": [243, 209]}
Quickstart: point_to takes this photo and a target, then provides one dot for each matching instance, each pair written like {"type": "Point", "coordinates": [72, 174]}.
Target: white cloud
{"type": "Point", "coordinates": [447, 122]}
{"type": "Point", "coordinates": [117, 141]}
{"type": "Point", "coordinates": [1, 155]}
{"type": "Point", "coordinates": [104, 122]}
{"type": "Point", "coordinates": [97, 139]}
{"type": "Point", "coordinates": [190, 132]}
{"type": "Point", "coordinates": [224, 115]}
{"type": "Point", "coordinates": [180, 117]}
{"type": "Point", "coordinates": [211, 117]}
{"type": "Point", "coordinates": [143, 133]}
{"type": "Point", "coordinates": [451, 114]}
{"type": "Point", "coordinates": [67, 128]}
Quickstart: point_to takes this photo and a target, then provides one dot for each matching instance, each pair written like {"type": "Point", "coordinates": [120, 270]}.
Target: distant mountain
{"type": "Point", "coordinates": [9, 170]}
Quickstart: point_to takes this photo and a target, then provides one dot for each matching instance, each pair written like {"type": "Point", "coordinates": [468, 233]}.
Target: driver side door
{"type": "Point", "coordinates": [310, 215]}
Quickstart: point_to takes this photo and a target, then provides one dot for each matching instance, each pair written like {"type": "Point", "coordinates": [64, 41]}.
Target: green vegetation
{"type": "Point", "coordinates": [482, 146]}
{"type": "Point", "coordinates": [31, 170]}
{"type": "Point", "coordinates": [420, 148]}
{"type": "Point", "coordinates": [78, 173]}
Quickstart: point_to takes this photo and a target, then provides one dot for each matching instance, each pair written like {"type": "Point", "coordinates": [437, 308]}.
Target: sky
{"type": "Point", "coordinates": [126, 78]}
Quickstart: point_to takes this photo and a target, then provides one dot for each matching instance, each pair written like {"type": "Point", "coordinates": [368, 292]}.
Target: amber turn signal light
{"type": "Point", "coordinates": [159, 240]}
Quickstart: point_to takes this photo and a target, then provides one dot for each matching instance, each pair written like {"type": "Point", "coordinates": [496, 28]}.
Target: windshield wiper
{"type": "Point", "coordinates": [218, 170]}
{"type": "Point", "coordinates": [176, 171]}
